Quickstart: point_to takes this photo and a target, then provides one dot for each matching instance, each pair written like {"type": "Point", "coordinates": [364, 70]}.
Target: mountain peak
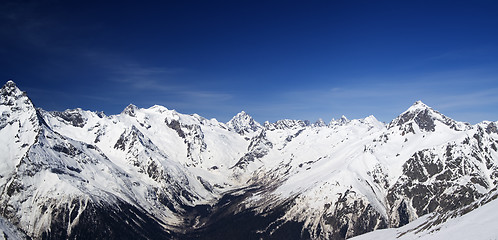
{"type": "Point", "coordinates": [418, 105]}
{"type": "Point", "coordinates": [11, 95]}
{"type": "Point", "coordinates": [339, 122]}
{"type": "Point", "coordinates": [10, 83]}
{"type": "Point", "coordinates": [419, 102]}
{"type": "Point", "coordinates": [243, 123]}
{"type": "Point", "coordinates": [242, 114]}
{"type": "Point", "coordinates": [424, 117]}
{"type": "Point", "coordinates": [10, 88]}
{"type": "Point", "coordinates": [130, 110]}
{"type": "Point", "coordinates": [319, 123]}
{"type": "Point", "coordinates": [287, 124]}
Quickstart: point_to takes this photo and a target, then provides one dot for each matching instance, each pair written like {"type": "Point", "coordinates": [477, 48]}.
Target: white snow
{"type": "Point", "coordinates": [478, 224]}
{"type": "Point", "coordinates": [9, 231]}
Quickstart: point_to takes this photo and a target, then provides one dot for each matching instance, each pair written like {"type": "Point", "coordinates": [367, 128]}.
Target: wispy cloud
{"type": "Point", "coordinates": [42, 92]}
{"type": "Point", "coordinates": [472, 99]}
{"type": "Point", "coordinates": [144, 78]}
{"type": "Point", "coordinates": [29, 25]}
{"type": "Point", "coordinates": [461, 94]}
{"type": "Point", "coordinates": [165, 81]}
{"type": "Point", "coordinates": [466, 53]}
{"type": "Point", "coordinates": [207, 95]}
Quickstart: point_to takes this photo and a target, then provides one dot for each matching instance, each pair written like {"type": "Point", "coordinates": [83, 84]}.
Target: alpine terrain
{"type": "Point", "coordinates": [158, 174]}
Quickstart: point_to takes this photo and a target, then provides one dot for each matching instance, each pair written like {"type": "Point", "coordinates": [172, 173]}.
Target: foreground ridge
{"type": "Point", "coordinates": [158, 174]}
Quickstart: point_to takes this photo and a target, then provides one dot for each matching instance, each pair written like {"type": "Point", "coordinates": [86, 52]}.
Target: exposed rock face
{"type": "Point", "coordinates": [130, 110]}
{"type": "Point", "coordinates": [258, 148]}
{"type": "Point", "coordinates": [286, 124]}
{"type": "Point", "coordinates": [194, 139]}
{"type": "Point", "coordinates": [340, 122]}
{"type": "Point", "coordinates": [73, 117]}
{"type": "Point", "coordinates": [243, 124]}
{"type": "Point", "coordinates": [352, 216]}
{"type": "Point", "coordinates": [99, 220]}
{"type": "Point", "coordinates": [442, 179]}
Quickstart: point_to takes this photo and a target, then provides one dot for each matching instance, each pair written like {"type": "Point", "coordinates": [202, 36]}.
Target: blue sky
{"type": "Point", "coordinates": [273, 59]}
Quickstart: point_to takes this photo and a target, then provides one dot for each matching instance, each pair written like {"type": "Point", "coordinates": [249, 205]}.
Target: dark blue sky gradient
{"type": "Point", "coordinates": [273, 59]}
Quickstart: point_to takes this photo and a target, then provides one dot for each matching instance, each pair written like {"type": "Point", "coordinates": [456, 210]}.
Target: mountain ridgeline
{"type": "Point", "coordinates": [157, 174]}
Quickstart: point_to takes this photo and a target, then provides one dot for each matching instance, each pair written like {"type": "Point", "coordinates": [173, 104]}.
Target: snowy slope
{"type": "Point", "coordinates": [477, 221]}
{"type": "Point", "coordinates": [155, 173]}
{"type": "Point", "coordinates": [9, 231]}
{"type": "Point", "coordinates": [18, 127]}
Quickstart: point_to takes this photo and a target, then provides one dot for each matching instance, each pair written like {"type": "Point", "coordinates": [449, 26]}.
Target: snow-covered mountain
{"type": "Point", "coordinates": [158, 174]}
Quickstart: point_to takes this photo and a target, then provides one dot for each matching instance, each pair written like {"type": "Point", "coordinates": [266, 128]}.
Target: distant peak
{"type": "Point", "coordinates": [319, 123]}
{"type": "Point", "coordinates": [243, 123]}
{"type": "Point", "coordinates": [159, 108]}
{"type": "Point", "coordinates": [343, 120]}
{"type": "Point", "coordinates": [418, 105]}
{"type": "Point", "coordinates": [10, 83]}
{"type": "Point", "coordinates": [10, 89]}
{"type": "Point", "coordinates": [131, 106]}
{"type": "Point", "coordinates": [242, 113]}
{"type": "Point", "coordinates": [425, 117]}
{"type": "Point", "coordinates": [9, 86]}
{"type": "Point", "coordinates": [339, 122]}
{"type": "Point", "coordinates": [240, 116]}
{"type": "Point", "coordinates": [371, 118]}
{"type": "Point", "coordinates": [11, 95]}
{"type": "Point", "coordinates": [130, 110]}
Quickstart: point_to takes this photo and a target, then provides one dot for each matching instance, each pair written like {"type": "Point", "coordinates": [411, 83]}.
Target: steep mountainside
{"type": "Point", "coordinates": [475, 221]}
{"type": "Point", "coordinates": [157, 174]}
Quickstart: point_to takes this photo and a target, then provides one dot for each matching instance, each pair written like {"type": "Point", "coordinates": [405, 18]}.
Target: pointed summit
{"type": "Point", "coordinates": [11, 95]}
{"type": "Point", "coordinates": [418, 105]}
{"type": "Point", "coordinates": [10, 83]}
{"type": "Point", "coordinates": [339, 122]}
{"type": "Point", "coordinates": [241, 115]}
{"type": "Point", "coordinates": [10, 89]}
{"type": "Point", "coordinates": [343, 120]}
{"type": "Point", "coordinates": [130, 110]}
{"type": "Point", "coordinates": [424, 117]}
{"type": "Point", "coordinates": [243, 123]}
{"type": "Point", "coordinates": [372, 121]}
{"type": "Point", "coordinates": [319, 123]}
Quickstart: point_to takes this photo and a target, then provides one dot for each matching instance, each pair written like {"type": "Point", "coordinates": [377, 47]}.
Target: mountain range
{"type": "Point", "coordinates": [155, 173]}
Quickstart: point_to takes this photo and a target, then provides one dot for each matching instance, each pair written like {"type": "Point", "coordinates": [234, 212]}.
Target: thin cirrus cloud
{"type": "Point", "coordinates": [466, 53]}
{"type": "Point", "coordinates": [164, 85]}
{"type": "Point", "coordinates": [458, 94]}
{"type": "Point", "coordinates": [472, 99]}
{"type": "Point", "coordinates": [128, 76]}
{"type": "Point", "coordinates": [163, 80]}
